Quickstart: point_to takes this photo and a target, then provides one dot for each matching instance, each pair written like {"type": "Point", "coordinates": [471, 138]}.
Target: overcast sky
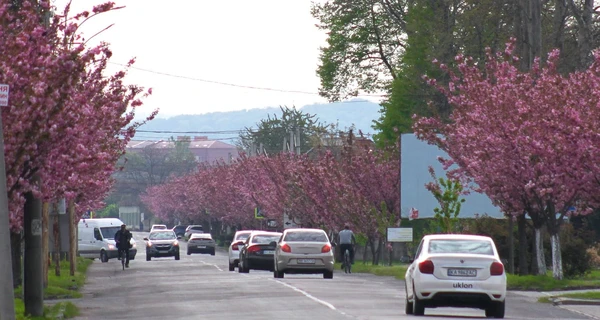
{"type": "Point", "coordinates": [184, 45]}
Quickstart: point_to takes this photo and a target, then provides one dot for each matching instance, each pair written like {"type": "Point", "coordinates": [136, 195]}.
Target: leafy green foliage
{"type": "Point", "coordinates": [273, 131]}
{"type": "Point", "coordinates": [110, 211]}
{"type": "Point", "coordinates": [447, 192]}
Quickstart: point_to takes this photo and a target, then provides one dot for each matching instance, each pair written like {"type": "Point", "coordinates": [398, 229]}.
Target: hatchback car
{"type": "Point", "coordinates": [257, 252]}
{"type": "Point", "coordinates": [156, 227]}
{"type": "Point", "coordinates": [201, 243]}
{"type": "Point", "coordinates": [192, 229]}
{"type": "Point", "coordinates": [179, 230]}
{"type": "Point", "coordinates": [239, 238]}
{"type": "Point", "coordinates": [162, 243]}
{"type": "Point", "coordinates": [456, 270]}
{"type": "Point", "coordinates": [302, 250]}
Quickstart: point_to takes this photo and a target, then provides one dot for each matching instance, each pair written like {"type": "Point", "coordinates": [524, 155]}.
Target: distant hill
{"type": "Point", "coordinates": [226, 126]}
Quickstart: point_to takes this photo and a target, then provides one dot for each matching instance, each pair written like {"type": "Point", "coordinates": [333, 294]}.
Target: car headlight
{"type": "Point", "coordinates": [149, 244]}
{"type": "Point", "coordinates": [134, 245]}
{"type": "Point", "coordinates": [175, 243]}
{"type": "Point", "coordinates": [111, 246]}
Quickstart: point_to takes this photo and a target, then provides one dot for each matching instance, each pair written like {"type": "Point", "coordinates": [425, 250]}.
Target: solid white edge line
{"type": "Point", "coordinates": [214, 265]}
{"type": "Point", "coordinates": [306, 294]}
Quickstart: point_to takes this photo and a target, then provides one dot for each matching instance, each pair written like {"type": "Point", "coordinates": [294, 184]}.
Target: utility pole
{"type": "Point", "coordinates": [292, 147]}
{"type": "Point", "coordinates": [33, 287]}
{"type": "Point", "coordinates": [297, 140]}
{"type": "Point", "coordinates": [72, 238]}
{"type": "Point", "coordinates": [45, 241]}
{"type": "Point", "coordinates": [7, 301]}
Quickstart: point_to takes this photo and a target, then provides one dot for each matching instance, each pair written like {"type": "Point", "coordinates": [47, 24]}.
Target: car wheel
{"type": "Point", "coordinates": [418, 305]}
{"type": "Point", "coordinates": [212, 253]}
{"type": "Point", "coordinates": [246, 268]}
{"type": "Point", "coordinates": [328, 274]}
{"type": "Point", "coordinates": [103, 256]}
{"type": "Point", "coordinates": [277, 274]}
{"type": "Point", "coordinates": [188, 252]}
{"type": "Point", "coordinates": [177, 256]}
{"type": "Point", "coordinates": [148, 257]}
{"type": "Point", "coordinates": [231, 267]}
{"type": "Point", "coordinates": [495, 310]}
{"type": "Point", "coordinates": [240, 267]}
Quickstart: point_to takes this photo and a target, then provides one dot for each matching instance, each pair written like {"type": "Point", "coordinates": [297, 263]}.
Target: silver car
{"type": "Point", "coordinates": [303, 251]}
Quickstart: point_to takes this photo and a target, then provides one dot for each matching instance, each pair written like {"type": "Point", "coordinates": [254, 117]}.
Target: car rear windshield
{"type": "Point", "coordinates": [265, 238]}
{"type": "Point", "coordinates": [461, 246]}
{"type": "Point", "coordinates": [242, 236]}
{"type": "Point", "coordinates": [170, 235]}
{"type": "Point", "coordinates": [305, 236]}
{"type": "Point", "coordinates": [196, 228]}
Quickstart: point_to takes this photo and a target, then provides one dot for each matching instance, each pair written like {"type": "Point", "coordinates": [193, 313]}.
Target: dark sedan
{"type": "Point", "coordinates": [179, 230]}
{"type": "Point", "coordinates": [162, 243]}
{"type": "Point", "coordinates": [257, 252]}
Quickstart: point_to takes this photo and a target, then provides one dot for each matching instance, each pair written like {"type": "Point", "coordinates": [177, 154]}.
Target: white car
{"type": "Point", "coordinates": [234, 248]}
{"type": "Point", "coordinates": [156, 227]}
{"type": "Point", "coordinates": [456, 270]}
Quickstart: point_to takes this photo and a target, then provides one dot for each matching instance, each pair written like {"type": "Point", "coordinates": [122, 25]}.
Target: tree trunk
{"type": "Point", "coordinates": [523, 252]}
{"type": "Point", "coordinates": [15, 246]}
{"type": "Point", "coordinates": [511, 245]}
{"type": "Point", "coordinates": [56, 234]}
{"type": "Point", "coordinates": [539, 251]}
{"type": "Point", "coordinates": [557, 270]}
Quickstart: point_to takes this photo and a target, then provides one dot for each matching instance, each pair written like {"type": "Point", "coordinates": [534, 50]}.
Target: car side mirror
{"type": "Point", "coordinates": [146, 239]}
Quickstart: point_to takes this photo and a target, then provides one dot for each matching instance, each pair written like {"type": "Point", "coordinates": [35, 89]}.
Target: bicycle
{"type": "Point", "coordinates": [123, 256]}
{"type": "Point", "coordinates": [347, 263]}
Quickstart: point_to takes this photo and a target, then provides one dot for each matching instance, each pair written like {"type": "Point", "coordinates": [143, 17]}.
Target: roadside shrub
{"type": "Point", "coordinates": [576, 259]}
{"type": "Point", "coordinates": [594, 253]}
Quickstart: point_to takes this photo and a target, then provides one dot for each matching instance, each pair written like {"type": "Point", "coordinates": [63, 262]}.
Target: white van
{"type": "Point", "coordinates": [96, 239]}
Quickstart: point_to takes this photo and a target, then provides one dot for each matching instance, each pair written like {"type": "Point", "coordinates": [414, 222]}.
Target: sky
{"type": "Point", "coordinates": [197, 55]}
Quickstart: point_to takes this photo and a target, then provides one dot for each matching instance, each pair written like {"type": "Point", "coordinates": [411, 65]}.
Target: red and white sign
{"type": "Point", "coordinates": [4, 95]}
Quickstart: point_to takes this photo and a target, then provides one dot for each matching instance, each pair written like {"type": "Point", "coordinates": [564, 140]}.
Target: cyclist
{"type": "Point", "coordinates": [122, 239]}
{"type": "Point", "coordinates": [347, 241]}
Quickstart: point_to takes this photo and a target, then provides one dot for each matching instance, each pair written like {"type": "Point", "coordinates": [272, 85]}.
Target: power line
{"type": "Point", "coordinates": [229, 84]}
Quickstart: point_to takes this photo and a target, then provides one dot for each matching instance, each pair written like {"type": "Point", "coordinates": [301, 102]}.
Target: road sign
{"type": "Point", "coordinates": [290, 223]}
{"type": "Point", "coordinates": [258, 213]}
{"type": "Point", "coordinates": [4, 89]}
{"type": "Point", "coordinates": [399, 234]}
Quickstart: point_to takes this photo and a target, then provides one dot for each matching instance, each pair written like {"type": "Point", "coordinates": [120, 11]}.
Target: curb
{"type": "Point", "coordinates": [572, 301]}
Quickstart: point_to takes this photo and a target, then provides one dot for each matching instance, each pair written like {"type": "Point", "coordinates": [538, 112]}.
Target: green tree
{"type": "Point", "coordinates": [273, 134]}
{"type": "Point", "coordinates": [110, 211]}
{"type": "Point", "coordinates": [447, 192]}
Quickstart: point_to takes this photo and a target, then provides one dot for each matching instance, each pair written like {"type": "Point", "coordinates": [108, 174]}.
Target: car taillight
{"type": "Point", "coordinates": [253, 249]}
{"type": "Point", "coordinates": [496, 269]}
{"type": "Point", "coordinates": [234, 247]}
{"type": "Point", "coordinates": [426, 267]}
{"type": "Point", "coordinates": [326, 248]}
{"type": "Point", "coordinates": [286, 248]}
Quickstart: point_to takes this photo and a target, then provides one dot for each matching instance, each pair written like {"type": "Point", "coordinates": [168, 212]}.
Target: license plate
{"type": "Point", "coordinates": [462, 272]}
{"type": "Point", "coordinates": [306, 261]}
{"type": "Point", "coordinates": [202, 247]}
{"type": "Point", "coordinates": [268, 252]}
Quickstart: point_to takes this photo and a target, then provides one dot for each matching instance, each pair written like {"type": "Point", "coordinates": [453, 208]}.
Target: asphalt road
{"type": "Point", "coordinates": [201, 287]}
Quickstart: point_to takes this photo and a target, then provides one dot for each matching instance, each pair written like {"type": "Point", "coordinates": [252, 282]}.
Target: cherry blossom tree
{"type": "Point", "coordinates": [528, 140]}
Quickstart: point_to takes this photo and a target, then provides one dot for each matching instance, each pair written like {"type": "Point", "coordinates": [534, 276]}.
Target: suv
{"type": "Point", "coordinates": [195, 228]}
{"type": "Point", "coordinates": [179, 230]}
{"type": "Point", "coordinates": [162, 243]}
{"type": "Point", "coordinates": [156, 227]}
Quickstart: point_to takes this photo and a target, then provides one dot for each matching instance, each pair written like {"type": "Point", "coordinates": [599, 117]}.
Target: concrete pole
{"type": "Point", "coordinates": [7, 302]}
{"type": "Point", "coordinates": [56, 235]}
{"type": "Point", "coordinates": [45, 241]}
{"type": "Point", "coordinates": [33, 287]}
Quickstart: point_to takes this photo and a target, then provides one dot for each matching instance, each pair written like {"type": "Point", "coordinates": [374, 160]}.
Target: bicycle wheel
{"type": "Point", "coordinates": [347, 264]}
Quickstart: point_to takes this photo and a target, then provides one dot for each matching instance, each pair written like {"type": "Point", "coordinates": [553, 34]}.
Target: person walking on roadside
{"type": "Point", "coordinates": [122, 240]}
{"type": "Point", "coordinates": [347, 241]}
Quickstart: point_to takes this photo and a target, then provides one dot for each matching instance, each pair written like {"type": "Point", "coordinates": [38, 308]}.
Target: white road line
{"type": "Point", "coordinates": [325, 303]}
{"type": "Point", "coordinates": [214, 265]}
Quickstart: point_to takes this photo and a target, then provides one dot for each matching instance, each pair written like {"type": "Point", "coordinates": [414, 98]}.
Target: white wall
{"type": "Point", "coordinates": [417, 156]}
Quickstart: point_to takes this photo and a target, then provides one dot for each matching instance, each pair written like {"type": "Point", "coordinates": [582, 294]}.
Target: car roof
{"type": "Point", "coordinates": [162, 231]}
{"type": "Point", "coordinates": [269, 233]}
{"type": "Point", "coordinates": [201, 235]}
{"type": "Point", "coordinates": [303, 230]}
{"type": "Point", "coordinates": [456, 237]}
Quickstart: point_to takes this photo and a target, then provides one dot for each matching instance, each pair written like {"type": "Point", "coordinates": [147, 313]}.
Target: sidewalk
{"type": "Point", "coordinates": [587, 307]}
